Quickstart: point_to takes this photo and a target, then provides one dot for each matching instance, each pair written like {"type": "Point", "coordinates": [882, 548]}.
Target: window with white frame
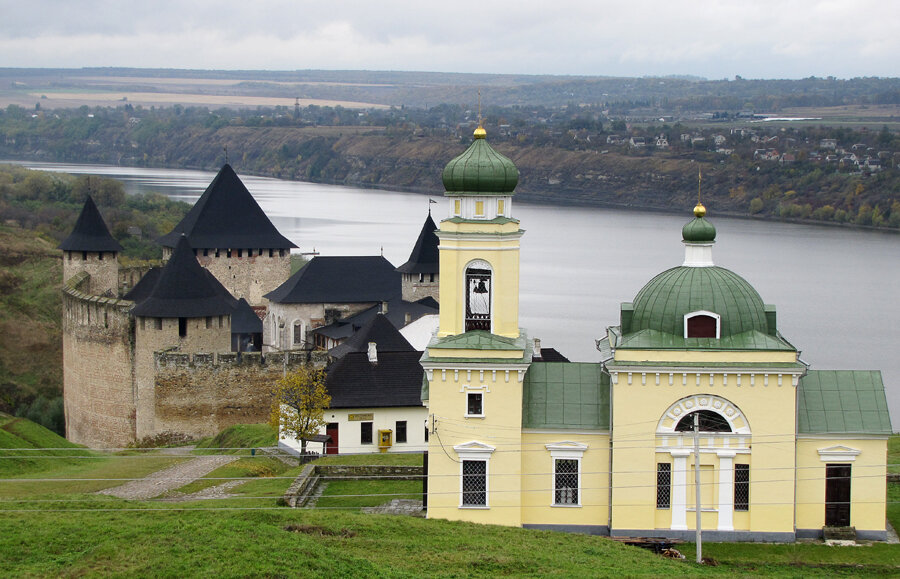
{"type": "Point", "coordinates": [702, 324]}
{"type": "Point", "coordinates": [566, 457]}
{"type": "Point", "coordinates": [474, 472]}
{"type": "Point", "coordinates": [298, 333]}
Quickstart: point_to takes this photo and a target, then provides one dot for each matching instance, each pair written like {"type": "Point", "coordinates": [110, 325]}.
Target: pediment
{"type": "Point", "coordinates": [567, 445]}
{"type": "Point", "coordinates": [838, 453]}
{"type": "Point", "coordinates": [474, 447]}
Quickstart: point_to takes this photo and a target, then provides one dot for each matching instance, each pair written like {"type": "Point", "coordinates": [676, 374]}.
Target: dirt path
{"type": "Point", "coordinates": [168, 479]}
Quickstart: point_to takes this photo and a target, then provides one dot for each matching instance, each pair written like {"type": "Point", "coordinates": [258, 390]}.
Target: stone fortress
{"type": "Point", "coordinates": [180, 349]}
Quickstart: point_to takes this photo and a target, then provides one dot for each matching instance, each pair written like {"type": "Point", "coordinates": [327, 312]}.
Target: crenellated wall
{"type": "Point", "coordinates": [98, 359]}
{"type": "Point", "coordinates": [102, 268]}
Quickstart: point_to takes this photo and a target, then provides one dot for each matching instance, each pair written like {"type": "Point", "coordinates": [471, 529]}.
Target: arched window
{"type": "Point", "coordinates": [701, 325]}
{"type": "Point", "coordinates": [298, 333]}
{"type": "Point", "coordinates": [478, 296]}
{"type": "Point", "coordinates": [709, 422]}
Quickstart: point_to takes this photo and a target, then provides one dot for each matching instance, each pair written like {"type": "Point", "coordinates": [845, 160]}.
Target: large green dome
{"type": "Point", "coordinates": [662, 303]}
{"type": "Point", "coordinates": [480, 170]}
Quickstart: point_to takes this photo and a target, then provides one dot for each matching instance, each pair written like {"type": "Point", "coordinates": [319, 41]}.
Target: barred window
{"type": "Point", "coordinates": [474, 483]}
{"type": "Point", "coordinates": [663, 485]}
{"type": "Point", "coordinates": [742, 487]}
{"type": "Point", "coordinates": [565, 487]}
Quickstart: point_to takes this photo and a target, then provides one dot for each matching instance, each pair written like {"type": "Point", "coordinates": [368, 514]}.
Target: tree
{"type": "Point", "coordinates": [299, 401]}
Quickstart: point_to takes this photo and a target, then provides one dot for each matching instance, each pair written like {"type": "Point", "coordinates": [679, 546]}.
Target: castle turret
{"type": "Point", "coordinates": [421, 272]}
{"type": "Point", "coordinates": [91, 249]}
{"type": "Point", "coordinates": [231, 236]}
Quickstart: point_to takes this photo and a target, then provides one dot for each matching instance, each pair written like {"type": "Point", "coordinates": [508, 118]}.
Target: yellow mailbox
{"type": "Point", "coordinates": [385, 440]}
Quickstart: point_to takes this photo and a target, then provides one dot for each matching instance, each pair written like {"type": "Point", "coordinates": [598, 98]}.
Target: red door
{"type": "Point", "coordinates": [332, 430]}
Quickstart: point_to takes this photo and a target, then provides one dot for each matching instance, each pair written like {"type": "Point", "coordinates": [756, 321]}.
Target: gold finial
{"type": "Point", "coordinates": [480, 133]}
{"type": "Point", "coordinates": [699, 209]}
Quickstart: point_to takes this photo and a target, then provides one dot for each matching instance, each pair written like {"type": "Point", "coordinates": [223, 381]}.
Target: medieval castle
{"type": "Point", "coordinates": [190, 348]}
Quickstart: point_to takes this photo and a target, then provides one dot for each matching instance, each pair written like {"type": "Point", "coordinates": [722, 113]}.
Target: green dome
{"type": "Point", "coordinates": [480, 170]}
{"type": "Point", "coordinates": [662, 303]}
{"type": "Point", "coordinates": [699, 230]}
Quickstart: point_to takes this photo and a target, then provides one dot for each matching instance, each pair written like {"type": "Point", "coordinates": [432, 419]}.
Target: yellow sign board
{"type": "Point", "coordinates": [364, 416]}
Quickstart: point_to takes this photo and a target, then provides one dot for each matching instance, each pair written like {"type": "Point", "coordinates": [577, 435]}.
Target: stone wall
{"type": "Point", "coordinates": [414, 290]}
{"type": "Point", "coordinates": [102, 269]}
{"type": "Point", "coordinates": [97, 368]}
{"type": "Point", "coordinates": [279, 322]}
{"type": "Point", "coordinates": [247, 274]}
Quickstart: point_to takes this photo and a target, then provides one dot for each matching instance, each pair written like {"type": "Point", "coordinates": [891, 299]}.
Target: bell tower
{"type": "Point", "coordinates": [479, 244]}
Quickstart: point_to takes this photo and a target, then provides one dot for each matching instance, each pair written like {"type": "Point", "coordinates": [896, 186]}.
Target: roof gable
{"type": "Point", "coordinates": [424, 257]}
{"type": "Point", "coordinates": [227, 216]}
{"type": "Point", "coordinates": [378, 330]}
{"type": "Point", "coordinates": [340, 280]}
{"type": "Point", "coordinates": [90, 232]}
{"type": "Point", "coordinates": [185, 290]}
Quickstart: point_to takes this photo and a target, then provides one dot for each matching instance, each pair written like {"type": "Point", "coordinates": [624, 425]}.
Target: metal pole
{"type": "Point", "coordinates": [697, 484]}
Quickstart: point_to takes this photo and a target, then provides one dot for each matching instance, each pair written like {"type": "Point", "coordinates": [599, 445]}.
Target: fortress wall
{"type": "Point", "coordinates": [414, 290]}
{"type": "Point", "coordinates": [152, 335]}
{"type": "Point", "coordinates": [131, 275]}
{"type": "Point", "coordinates": [202, 394]}
{"type": "Point", "coordinates": [97, 359]}
{"type": "Point", "coordinates": [102, 267]}
{"type": "Point", "coordinates": [248, 277]}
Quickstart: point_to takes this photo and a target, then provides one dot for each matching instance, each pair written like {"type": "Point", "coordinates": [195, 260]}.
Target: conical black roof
{"type": "Point", "coordinates": [244, 320]}
{"type": "Point", "coordinates": [186, 290]}
{"type": "Point", "coordinates": [425, 256]}
{"type": "Point", "coordinates": [90, 232]}
{"type": "Point", "coordinates": [379, 330]}
{"type": "Point", "coordinates": [227, 216]}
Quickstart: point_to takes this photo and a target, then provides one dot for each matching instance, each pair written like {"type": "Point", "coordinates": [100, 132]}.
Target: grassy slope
{"type": "Point", "coordinates": [52, 529]}
{"type": "Point", "coordinates": [30, 314]}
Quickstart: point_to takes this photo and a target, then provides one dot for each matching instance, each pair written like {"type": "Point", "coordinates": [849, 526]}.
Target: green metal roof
{"type": "Point", "coordinates": [566, 395]}
{"type": "Point", "coordinates": [663, 302]}
{"type": "Point", "coordinates": [698, 230]}
{"type": "Point", "coordinates": [480, 170]}
{"type": "Point", "coordinates": [494, 221]}
{"type": "Point", "coordinates": [478, 340]}
{"type": "Point", "coordinates": [626, 366]}
{"type": "Point", "coordinates": [648, 339]}
{"type": "Point", "coordinates": [842, 402]}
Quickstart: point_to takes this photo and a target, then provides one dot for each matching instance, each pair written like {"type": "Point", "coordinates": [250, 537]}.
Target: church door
{"type": "Point", "coordinates": [837, 495]}
{"type": "Point", "coordinates": [332, 430]}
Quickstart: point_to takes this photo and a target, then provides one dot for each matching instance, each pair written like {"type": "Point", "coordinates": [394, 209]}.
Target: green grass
{"type": "Point", "coordinates": [27, 448]}
{"type": "Point", "coordinates": [238, 439]}
{"type": "Point", "coordinates": [894, 453]}
{"type": "Point", "coordinates": [389, 458]}
{"type": "Point", "coordinates": [249, 467]}
{"type": "Point", "coordinates": [349, 494]}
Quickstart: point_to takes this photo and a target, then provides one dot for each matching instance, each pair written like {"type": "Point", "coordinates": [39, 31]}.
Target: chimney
{"type": "Point", "coordinates": [373, 352]}
{"type": "Point", "coordinates": [536, 352]}
{"type": "Point", "coordinates": [407, 319]}
{"type": "Point", "coordinates": [384, 307]}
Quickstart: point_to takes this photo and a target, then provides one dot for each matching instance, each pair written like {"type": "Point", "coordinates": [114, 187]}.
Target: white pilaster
{"type": "Point", "coordinates": [679, 489]}
{"type": "Point", "coordinates": [726, 489]}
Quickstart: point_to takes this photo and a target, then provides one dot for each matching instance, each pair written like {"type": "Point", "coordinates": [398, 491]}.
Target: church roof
{"type": "Point", "coordinates": [340, 280]}
{"type": "Point", "coordinates": [395, 380]}
{"type": "Point", "coordinates": [227, 216]}
{"type": "Point", "coordinates": [842, 402]}
{"type": "Point", "coordinates": [185, 290]}
{"type": "Point", "coordinates": [396, 314]}
{"type": "Point", "coordinates": [90, 232]}
{"type": "Point", "coordinates": [379, 330]}
{"type": "Point", "coordinates": [567, 395]}
{"type": "Point", "coordinates": [480, 170]}
{"type": "Point", "coordinates": [425, 256]}
{"type": "Point", "coordinates": [244, 320]}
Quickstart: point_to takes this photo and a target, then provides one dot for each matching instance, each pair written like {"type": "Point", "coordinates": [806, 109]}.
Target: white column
{"type": "Point", "coordinates": [726, 489]}
{"type": "Point", "coordinates": [679, 488]}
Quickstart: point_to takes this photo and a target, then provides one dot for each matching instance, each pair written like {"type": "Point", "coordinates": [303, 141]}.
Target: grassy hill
{"type": "Point", "coordinates": [54, 525]}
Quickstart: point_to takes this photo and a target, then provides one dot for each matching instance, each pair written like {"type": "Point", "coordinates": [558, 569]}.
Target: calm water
{"type": "Point", "coordinates": [835, 289]}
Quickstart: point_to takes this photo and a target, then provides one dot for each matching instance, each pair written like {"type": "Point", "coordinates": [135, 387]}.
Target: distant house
{"type": "Point", "coordinates": [613, 140]}
{"type": "Point", "coordinates": [662, 142]}
{"type": "Point", "coordinates": [636, 142]}
{"type": "Point", "coordinates": [828, 144]}
{"type": "Point", "coordinates": [787, 158]}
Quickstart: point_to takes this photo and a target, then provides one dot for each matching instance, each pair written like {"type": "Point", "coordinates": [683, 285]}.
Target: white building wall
{"type": "Point", "coordinates": [349, 431]}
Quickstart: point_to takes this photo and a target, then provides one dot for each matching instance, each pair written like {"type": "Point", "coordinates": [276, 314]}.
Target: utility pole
{"type": "Point", "coordinates": [697, 485]}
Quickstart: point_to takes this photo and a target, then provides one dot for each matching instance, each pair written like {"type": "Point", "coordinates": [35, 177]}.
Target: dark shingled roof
{"type": "Point", "coordinates": [244, 320]}
{"type": "Point", "coordinates": [185, 290]}
{"type": "Point", "coordinates": [395, 380]}
{"type": "Point", "coordinates": [227, 216]}
{"type": "Point", "coordinates": [144, 287]}
{"type": "Point", "coordinates": [90, 232]}
{"type": "Point", "coordinates": [424, 257]}
{"type": "Point", "coordinates": [396, 314]}
{"type": "Point", "coordinates": [340, 280]}
{"type": "Point", "coordinates": [379, 330]}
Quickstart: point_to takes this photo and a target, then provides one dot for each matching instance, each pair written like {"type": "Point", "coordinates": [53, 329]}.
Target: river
{"type": "Point", "coordinates": [835, 288]}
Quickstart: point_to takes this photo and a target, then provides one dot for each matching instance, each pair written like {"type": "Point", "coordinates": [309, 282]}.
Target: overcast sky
{"type": "Point", "coordinates": [709, 38]}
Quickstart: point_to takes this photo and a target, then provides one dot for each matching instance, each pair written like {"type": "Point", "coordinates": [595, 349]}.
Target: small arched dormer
{"type": "Point", "coordinates": [702, 324]}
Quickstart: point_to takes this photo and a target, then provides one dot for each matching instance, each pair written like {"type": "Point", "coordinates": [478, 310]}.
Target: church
{"type": "Point", "coordinates": [697, 410]}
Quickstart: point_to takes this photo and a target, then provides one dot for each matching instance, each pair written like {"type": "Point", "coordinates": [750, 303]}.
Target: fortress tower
{"type": "Point", "coordinates": [90, 249]}
{"type": "Point", "coordinates": [421, 273]}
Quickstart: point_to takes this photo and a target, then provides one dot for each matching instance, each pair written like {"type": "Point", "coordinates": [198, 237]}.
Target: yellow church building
{"type": "Point", "coordinates": [608, 447]}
